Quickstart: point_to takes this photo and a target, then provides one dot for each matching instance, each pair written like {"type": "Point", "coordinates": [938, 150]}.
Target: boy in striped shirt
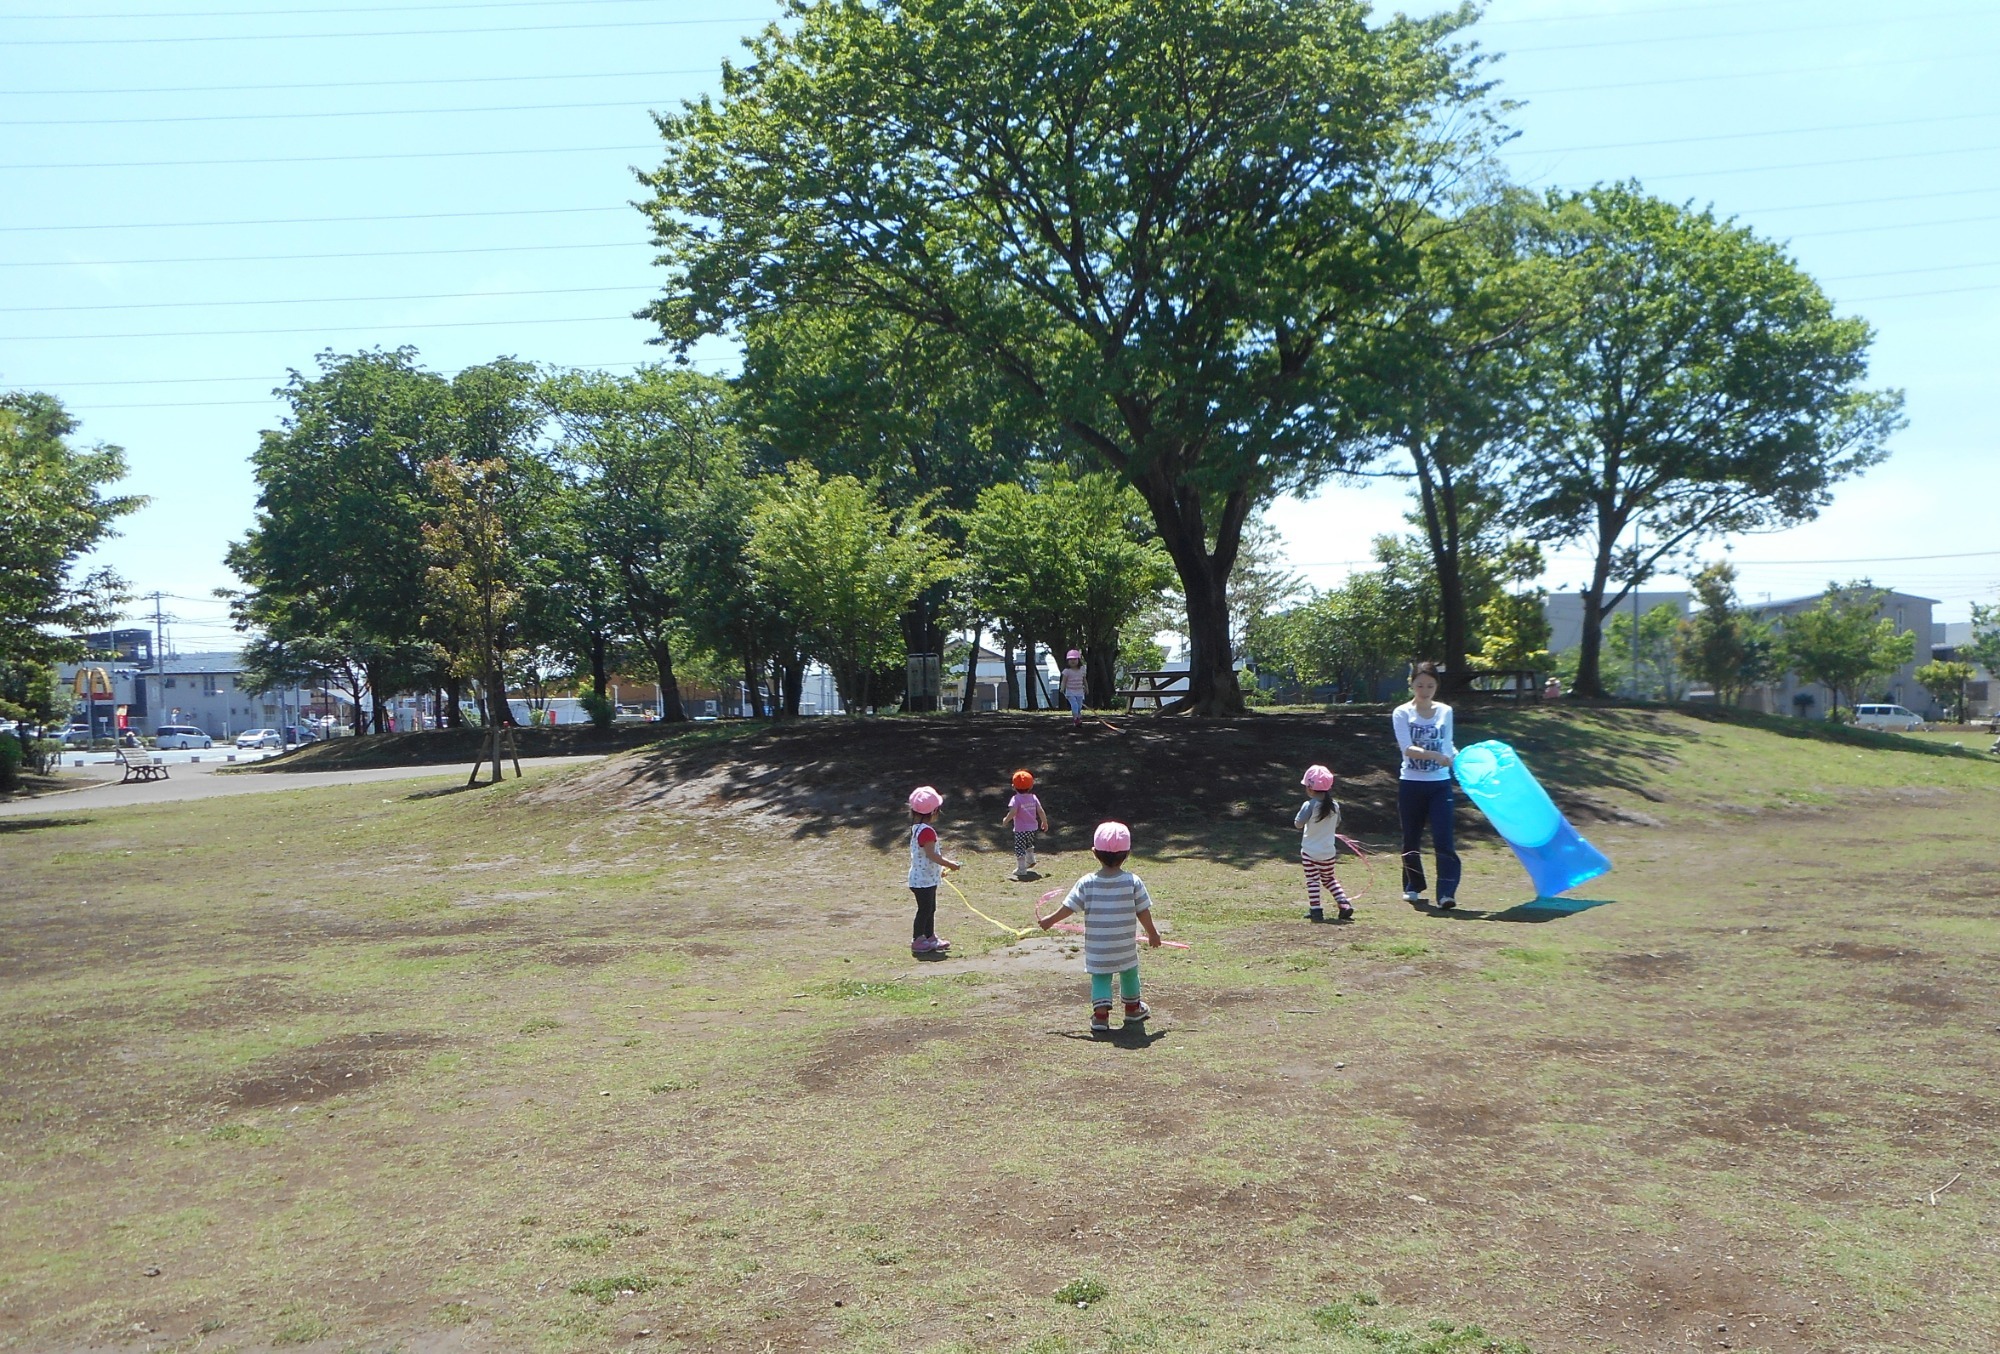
{"type": "Point", "coordinates": [1114, 904]}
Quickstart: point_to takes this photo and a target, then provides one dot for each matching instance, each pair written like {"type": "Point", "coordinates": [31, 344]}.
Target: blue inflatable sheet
{"type": "Point", "coordinates": [1555, 856]}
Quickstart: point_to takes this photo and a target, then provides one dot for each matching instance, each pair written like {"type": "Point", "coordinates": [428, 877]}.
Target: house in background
{"type": "Point", "coordinates": [1790, 696]}
{"type": "Point", "coordinates": [1564, 611]}
{"type": "Point", "coordinates": [204, 690]}
{"type": "Point", "coordinates": [990, 679]}
{"type": "Point", "coordinates": [1949, 639]}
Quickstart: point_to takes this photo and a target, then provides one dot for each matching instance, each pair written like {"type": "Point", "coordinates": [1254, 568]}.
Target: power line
{"type": "Point", "coordinates": [1819, 26]}
{"type": "Point", "coordinates": [313, 329]}
{"type": "Point", "coordinates": [1869, 559]}
{"type": "Point", "coordinates": [320, 300]}
{"type": "Point", "coordinates": [1733, 5]}
{"type": "Point", "coordinates": [324, 113]}
{"type": "Point", "coordinates": [328, 159]}
{"type": "Point", "coordinates": [279, 380]}
{"type": "Point", "coordinates": [568, 211]}
{"type": "Point", "coordinates": [353, 254]}
{"type": "Point", "coordinates": [316, 220]}
{"type": "Point", "coordinates": [1905, 225]}
{"type": "Point", "coordinates": [426, 81]}
{"type": "Point", "coordinates": [1744, 75]}
{"type": "Point", "coordinates": [359, 9]}
{"type": "Point", "coordinates": [384, 33]}
{"type": "Point", "coordinates": [1698, 140]}
{"type": "Point", "coordinates": [1823, 164]}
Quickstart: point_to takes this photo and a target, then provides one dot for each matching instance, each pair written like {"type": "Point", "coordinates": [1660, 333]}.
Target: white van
{"type": "Point", "coordinates": [1891, 717]}
{"type": "Point", "coordinates": [182, 736]}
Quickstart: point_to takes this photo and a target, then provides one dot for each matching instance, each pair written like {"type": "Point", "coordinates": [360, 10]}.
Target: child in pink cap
{"type": "Point", "coordinates": [1073, 686]}
{"type": "Point", "coordinates": [1114, 904]}
{"type": "Point", "coordinates": [1318, 821]}
{"type": "Point", "coordinates": [927, 867]}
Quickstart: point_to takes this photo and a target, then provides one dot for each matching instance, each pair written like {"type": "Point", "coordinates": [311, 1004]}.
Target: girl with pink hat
{"type": "Point", "coordinates": [1114, 904]}
{"type": "Point", "coordinates": [1072, 686]}
{"type": "Point", "coordinates": [927, 867]}
{"type": "Point", "coordinates": [1318, 819]}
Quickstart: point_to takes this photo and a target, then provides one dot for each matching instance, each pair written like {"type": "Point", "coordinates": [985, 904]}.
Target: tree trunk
{"type": "Point", "coordinates": [793, 686]}
{"type": "Point", "coordinates": [1204, 574]}
{"type": "Point", "coordinates": [753, 690]}
{"type": "Point", "coordinates": [1009, 697]}
{"type": "Point", "coordinates": [496, 692]}
{"type": "Point", "coordinates": [671, 710]}
{"type": "Point", "coordinates": [1031, 675]}
{"type": "Point", "coordinates": [1590, 650]}
{"type": "Point", "coordinates": [454, 692]}
{"type": "Point", "coordinates": [1441, 525]}
{"type": "Point", "coordinates": [967, 697]}
{"type": "Point", "coordinates": [600, 666]}
{"type": "Point", "coordinates": [1100, 676]}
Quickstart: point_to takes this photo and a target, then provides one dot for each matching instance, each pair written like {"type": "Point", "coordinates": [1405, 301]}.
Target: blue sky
{"type": "Point", "coordinates": [175, 175]}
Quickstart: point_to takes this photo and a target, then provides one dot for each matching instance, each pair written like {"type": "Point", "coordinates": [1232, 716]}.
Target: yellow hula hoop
{"type": "Point", "coordinates": [1016, 932]}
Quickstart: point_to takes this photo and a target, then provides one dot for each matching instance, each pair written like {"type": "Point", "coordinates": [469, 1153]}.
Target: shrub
{"type": "Point", "coordinates": [600, 709]}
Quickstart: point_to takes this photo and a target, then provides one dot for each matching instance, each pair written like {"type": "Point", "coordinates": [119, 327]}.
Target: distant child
{"type": "Point", "coordinates": [1113, 903]}
{"type": "Point", "coordinates": [927, 867]}
{"type": "Point", "coordinates": [1319, 820]}
{"type": "Point", "coordinates": [1024, 814]}
{"type": "Point", "coordinates": [1072, 686]}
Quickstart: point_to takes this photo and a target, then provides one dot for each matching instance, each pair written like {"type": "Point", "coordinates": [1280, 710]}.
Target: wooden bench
{"type": "Point", "coordinates": [142, 766]}
{"type": "Point", "coordinates": [1157, 687]}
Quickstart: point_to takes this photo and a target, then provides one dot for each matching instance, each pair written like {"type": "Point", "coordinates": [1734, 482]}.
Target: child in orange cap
{"type": "Point", "coordinates": [1024, 815]}
{"type": "Point", "coordinates": [1114, 904]}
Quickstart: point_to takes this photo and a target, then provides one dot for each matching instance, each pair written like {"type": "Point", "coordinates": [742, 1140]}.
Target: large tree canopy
{"type": "Point", "coordinates": [1162, 221]}
{"type": "Point", "coordinates": [54, 508]}
{"type": "Point", "coordinates": [1701, 385]}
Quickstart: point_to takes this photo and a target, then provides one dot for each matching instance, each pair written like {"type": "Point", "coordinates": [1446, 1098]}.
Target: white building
{"type": "Point", "coordinates": [1790, 696]}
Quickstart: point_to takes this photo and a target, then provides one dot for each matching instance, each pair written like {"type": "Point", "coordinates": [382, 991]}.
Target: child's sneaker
{"type": "Point", "coordinates": [1100, 1022]}
{"type": "Point", "coordinates": [939, 946]}
{"type": "Point", "coordinates": [1314, 914]}
{"type": "Point", "coordinates": [1347, 912]}
{"type": "Point", "coordinates": [922, 946]}
{"type": "Point", "coordinates": [1136, 1011]}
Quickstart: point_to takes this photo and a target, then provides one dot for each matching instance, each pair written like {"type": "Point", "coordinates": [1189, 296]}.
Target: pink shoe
{"type": "Point", "coordinates": [922, 946]}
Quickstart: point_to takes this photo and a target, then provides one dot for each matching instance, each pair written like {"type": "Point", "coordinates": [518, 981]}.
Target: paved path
{"type": "Point", "coordinates": [202, 782]}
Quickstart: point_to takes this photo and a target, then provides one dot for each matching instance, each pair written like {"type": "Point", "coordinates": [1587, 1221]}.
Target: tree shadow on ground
{"type": "Point", "coordinates": [1221, 789]}
{"type": "Point", "coordinates": [24, 824]}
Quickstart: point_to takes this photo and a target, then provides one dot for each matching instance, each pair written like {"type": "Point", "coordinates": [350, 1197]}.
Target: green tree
{"type": "Point", "coordinates": [1366, 630]}
{"type": "Point", "coordinates": [643, 449]}
{"type": "Point", "coordinates": [1985, 646]}
{"type": "Point", "coordinates": [336, 552]}
{"type": "Point", "coordinates": [55, 511]}
{"type": "Point", "coordinates": [1844, 642]}
{"type": "Point", "coordinates": [1071, 559]}
{"type": "Point", "coordinates": [476, 576]}
{"type": "Point", "coordinates": [1946, 680]}
{"type": "Point", "coordinates": [1699, 385]}
{"type": "Point", "coordinates": [1163, 223]}
{"type": "Point", "coordinates": [1657, 675]}
{"type": "Point", "coordinates": [1721, 644]}
{"type": "Point", "coordinates": [1514, 625]}
{"type": "Point", "coordinates": [846, 567]}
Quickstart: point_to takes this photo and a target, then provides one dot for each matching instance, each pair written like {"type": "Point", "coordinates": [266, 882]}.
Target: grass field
{"type": "Point", "coordinates": [635, 1057]}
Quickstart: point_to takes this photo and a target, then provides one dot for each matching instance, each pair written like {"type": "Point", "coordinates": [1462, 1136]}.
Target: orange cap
{"type": "Point", "coordinates": [1024, 780]}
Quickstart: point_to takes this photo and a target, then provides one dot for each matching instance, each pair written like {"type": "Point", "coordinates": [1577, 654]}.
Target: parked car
{"type": "Point", "coordinates": [1892, 717]}
{"type": "Point", "coordinates": [76, 736]}
{"type": "Point", "coordinates": [181, 736]}
{"type": "Point", "coordinates": [260, 738]}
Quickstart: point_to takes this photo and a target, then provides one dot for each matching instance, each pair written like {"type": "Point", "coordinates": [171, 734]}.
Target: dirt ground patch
{"type": "Point", "coordinates": [341, 1066]}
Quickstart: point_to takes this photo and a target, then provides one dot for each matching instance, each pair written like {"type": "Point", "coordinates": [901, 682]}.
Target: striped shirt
{"type": "Point", "coordinates": [1110, 905]}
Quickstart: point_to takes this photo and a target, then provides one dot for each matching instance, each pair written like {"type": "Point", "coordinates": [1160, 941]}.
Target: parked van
{"type": "Point", "coordinates": [1891, 717]}
{"type": "Point", "coordinates": [182, 736]}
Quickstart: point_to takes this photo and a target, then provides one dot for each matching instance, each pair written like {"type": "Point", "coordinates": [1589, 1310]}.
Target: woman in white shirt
{"type": "Point", "coordinates": [1424, 793]}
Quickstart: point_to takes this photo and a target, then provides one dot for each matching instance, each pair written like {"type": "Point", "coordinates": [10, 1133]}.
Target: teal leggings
{"type": "Point", "coordinates": [1128, 986]}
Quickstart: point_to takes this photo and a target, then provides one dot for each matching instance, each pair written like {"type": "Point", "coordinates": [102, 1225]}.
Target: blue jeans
{"type": "Point", "coordinates": [1421, 802]}
{"type": "Point", "coordinates": [1075, 704]}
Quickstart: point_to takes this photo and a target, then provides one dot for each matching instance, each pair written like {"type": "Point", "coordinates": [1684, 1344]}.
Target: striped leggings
{"type": "Point", "coordinates": [1319, 875]}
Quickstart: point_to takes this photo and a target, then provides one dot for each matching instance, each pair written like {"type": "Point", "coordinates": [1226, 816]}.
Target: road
{"type": "Point", "coordinates": [200, 781]}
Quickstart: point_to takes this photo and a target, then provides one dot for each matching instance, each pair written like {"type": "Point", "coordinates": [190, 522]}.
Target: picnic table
{"type": "Point", "coordinates": [1157, 687]}
{"type": "Point", "coordinates": [142, 765]}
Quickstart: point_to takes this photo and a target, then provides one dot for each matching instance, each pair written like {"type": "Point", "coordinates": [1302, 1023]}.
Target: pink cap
{"type": "Point", "coordinates": [924, 799]}
{"type": "Point", "coordinates": [1076, 654]}
{"type": "Point", "coordinates": [1317, 778]}
{"type": "Point", "coordinates": [1111, 837]}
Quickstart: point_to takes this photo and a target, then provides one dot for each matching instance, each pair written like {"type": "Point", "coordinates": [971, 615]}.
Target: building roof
{"type": "Point", "coordinates": [1782, 602]}
{"type": "Point", "coordinates": [198, 664]}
